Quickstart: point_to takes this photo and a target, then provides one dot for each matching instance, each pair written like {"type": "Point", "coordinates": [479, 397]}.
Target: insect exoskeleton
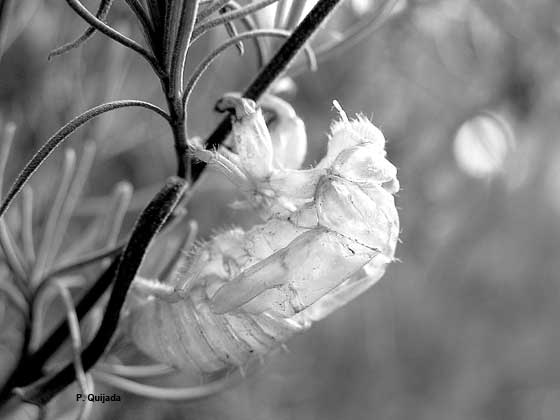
{"type": "Point", "coordinates": [186, 332]}
{"type": "Point", "coordinates": [328, 234]}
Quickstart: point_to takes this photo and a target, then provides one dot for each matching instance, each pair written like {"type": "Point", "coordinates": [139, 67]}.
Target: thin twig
{"type": "Point", "coordinates": [260, 43]}
{"type": "Point", "coordinates": [207, 61]}
{"type": "Point", "coordinates": [250, 25]}
{"type": "Point", "coordinates": [101, 26]}
{"type": "Point", "coordinates": [233, 32]}
{"type": "Point", "coordinates": [226, 17]}
{"type": "Point", "coordinates": [101, 14]}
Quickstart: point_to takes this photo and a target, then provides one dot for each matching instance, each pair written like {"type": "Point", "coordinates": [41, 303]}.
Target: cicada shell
{"type": "Point", "coordinates": [243, 293]}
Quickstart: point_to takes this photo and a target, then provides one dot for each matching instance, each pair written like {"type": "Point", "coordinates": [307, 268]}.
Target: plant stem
{"type": "Point", "coordinates": [187, 20]}
{"type": "Point", "coordinates": [181, 146]}
{"type": "Point", "coordinates": [178, 127]}
{"type": "Point", "coordinates": [271, 71]}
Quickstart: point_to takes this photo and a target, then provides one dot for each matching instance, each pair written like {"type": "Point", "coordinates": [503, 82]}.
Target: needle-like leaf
{"type": "Point", "coordinates": [102, 12]}
{"type": "Point", "coordinates": [44, 251]}
{"type": "Point", "coordinates": [61, 135]}
{"type": "Point", "coordinates": [101, 26]}
{"type": "Point", "coordinates": [226, 17]}
{"type": "Point", "coordinates": [207, 61]}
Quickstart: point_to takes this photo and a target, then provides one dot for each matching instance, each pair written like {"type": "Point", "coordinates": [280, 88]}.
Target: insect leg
{"type": "Point", "coordinates": [295, 276]}
{"type": "Point", "coordinates": [230, 168]}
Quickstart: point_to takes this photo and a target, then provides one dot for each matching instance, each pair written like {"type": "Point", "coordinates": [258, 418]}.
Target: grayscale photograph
{"type": "Point", "coordinates": [279, 209]}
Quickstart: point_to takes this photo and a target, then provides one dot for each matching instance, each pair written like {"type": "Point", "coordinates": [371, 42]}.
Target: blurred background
{"type": "Point", "coordinates": [467, 92]}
